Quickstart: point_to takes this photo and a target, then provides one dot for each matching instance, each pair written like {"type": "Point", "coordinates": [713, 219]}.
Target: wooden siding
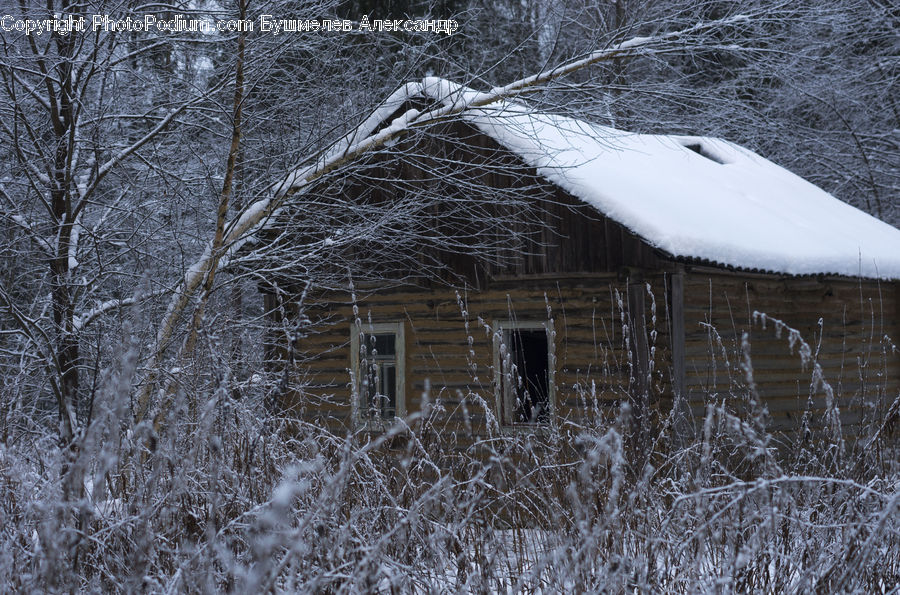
{"type": "Point", "coordinates": [505, 221]}
{"type": "Point", "coordinates": [843, 322]}
{"type": "Point", "coordinates": [449, 347]}
{"type": "Point", "coordinates": [562, 234]}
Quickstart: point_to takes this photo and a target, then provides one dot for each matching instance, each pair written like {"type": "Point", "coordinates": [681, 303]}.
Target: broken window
{"type": "Point", "coordinates": [525, 381]}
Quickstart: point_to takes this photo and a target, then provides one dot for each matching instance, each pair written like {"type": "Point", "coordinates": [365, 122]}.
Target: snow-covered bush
{"type": "Point", "coordinates": [226, 494]}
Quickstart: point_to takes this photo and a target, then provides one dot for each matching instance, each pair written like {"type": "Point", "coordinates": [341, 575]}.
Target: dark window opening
{"type": "Point", "coordinates": [378, 386]}
{"type": "Point", "coordinates": [699, 149]}
{"type": "Point", "coordinates": [527, 399]}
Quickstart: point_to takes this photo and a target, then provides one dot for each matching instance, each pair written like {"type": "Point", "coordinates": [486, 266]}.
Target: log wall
{"type": "Point", "coordinates": [450, 353]}
{"type": "Point", "coordinates": [842, 322]}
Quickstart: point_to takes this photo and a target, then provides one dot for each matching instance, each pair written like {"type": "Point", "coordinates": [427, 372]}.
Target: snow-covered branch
{"type": "Point", "coordinates": [85, 318]}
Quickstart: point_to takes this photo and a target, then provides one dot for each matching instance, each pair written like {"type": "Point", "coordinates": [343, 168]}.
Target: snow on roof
{"type": "Point", "coordinates": [693, 197]}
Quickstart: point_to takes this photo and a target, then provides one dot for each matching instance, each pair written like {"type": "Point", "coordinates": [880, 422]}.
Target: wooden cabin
{"type": "Point", "coordinates": [667, 271]}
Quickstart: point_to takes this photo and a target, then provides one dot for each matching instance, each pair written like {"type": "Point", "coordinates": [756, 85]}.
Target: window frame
{"type": "Point", "coordinates": [377, 328]}
{"type": "Point", "coordinates": [504, 401]}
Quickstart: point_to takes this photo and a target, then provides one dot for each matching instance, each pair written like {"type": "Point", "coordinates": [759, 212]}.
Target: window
{"type": "Point", "coordinates": [525, 384]}
{"type": "Point", "coordinates": [378, 369]}
{"type": "Point", "coordinates": [703, 151]}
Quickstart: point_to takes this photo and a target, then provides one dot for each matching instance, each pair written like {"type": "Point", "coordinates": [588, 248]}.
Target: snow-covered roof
{"type": "Point", "coordinates": [693, 197]}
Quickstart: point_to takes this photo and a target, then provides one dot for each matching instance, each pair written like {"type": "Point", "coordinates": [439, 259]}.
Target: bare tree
{"type": "Point", "coordinates": [89, 160]}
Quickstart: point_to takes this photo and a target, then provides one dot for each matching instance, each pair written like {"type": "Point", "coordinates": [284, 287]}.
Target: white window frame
{"type": "Point", "coordinates": [504, 398]}
{"type": "Point", "coordinates": [379, 328]}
